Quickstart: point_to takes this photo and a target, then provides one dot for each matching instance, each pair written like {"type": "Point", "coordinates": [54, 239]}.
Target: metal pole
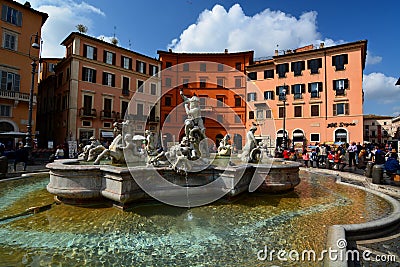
{"type": "Point", "coordinates": [28, 143]}
{"type": "Point", "coordinates": [284, 121]}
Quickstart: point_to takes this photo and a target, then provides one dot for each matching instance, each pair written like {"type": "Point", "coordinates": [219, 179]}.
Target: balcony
{"type": "Point", "coordinates": [17, 96]}
{"type": "Point", "coordinates": [153, 120]}
{"type": "Point", "coordinates": [109, 115]}
{"type": "Point", "coordinates": [87, 113]}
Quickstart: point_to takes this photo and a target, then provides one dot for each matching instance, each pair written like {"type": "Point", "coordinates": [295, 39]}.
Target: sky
{"type": "Point", "coordinates": [241, 25]}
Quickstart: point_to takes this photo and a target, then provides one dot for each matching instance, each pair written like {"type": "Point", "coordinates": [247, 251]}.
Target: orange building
{"type": "Point", "coordinates": [19, 23]}
{"type": "Point", "coordinates": [94, 84]}
{"type": "Point", "coordinates": [218, 79]}
{"type": "Point", "coordinates": [324, 94]}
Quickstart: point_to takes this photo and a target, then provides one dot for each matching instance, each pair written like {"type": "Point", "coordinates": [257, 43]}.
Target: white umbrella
{"type": "Point", "coordinates": [138, 137]}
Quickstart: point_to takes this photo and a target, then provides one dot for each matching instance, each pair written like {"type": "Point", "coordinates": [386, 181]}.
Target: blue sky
{"type": "Point", "coordinates": [259, 25]}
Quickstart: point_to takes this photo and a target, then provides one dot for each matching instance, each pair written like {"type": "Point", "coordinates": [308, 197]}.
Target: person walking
{"type": "Point", "coordinates": [352, 149]}
{"type": "Point", "coordinates": [21, 155]}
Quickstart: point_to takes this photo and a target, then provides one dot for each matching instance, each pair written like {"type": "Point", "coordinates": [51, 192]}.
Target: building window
{"type": "Point", "coordinates": [220, 101]}
{"type": "Point", "coordinates": [109, 58]}
{"type": "Point", "coordinates": [251, 97]}
{"type": "Point", "coordinates": [186, 67]}
{"type": "Point", "coordinates": [202, 82]}
{"type": "Point", "coordinates": [268, 74]}
{"type": "Point", "coordinates": [260, 114]}
{"type": "Point", "coordinates": [298, 67]}
{"type": "Point", "coordinates": [88, 75]}
{"type": "Point", "coordinates": [125, 85]}
{"type": "Point", "coordinates": [5, 111]}
{"type": "Point", "coordinates": [314, 89]}
{"type": "Point", "coordinates": [298, 90]}
{"type": "Point", "coordinates": [238, 101]}
{"type": "Point", "coordinates": [153, 70]}
{"type": "Point", "coordinates": [60, 79]}
{"type": "Point", "coordinates": [340, 86]}
{"type": "Point", "coordinates": [10, 41]}
{"type": "Point", "coordinates": [203, 67]}
{"type": "Point", "coordinates": [185, 83]}
{"type": "Point", "coordinates": [279, 92]}
{"type": "Point", "coordinates": [268, 95]}
{"type": "Point", "coordinates": [89, 52]}
{"type": "Point", "coordinates": [314, 137]}
{"type": "Point", "coordinates": [281, 70]}
{"type": "Point", "coordinates": [51, 67]}
{"type": "Point", "coordinates": [314, 65]}
{"type": "Point", "coordinates": [251, 115]}
{"type": "Point", "coordinates": [11, 15]}
{"type": "Point", "coordinates": [203, 102]}
{"type": "Point", "coordinates": [168, 101]}
{"type": "Point", "coordinates": [87, 105]}
{"type": "Point", "coordinates": [238, 66]}
{"type": "Point", "coordinates": [341, 109]}
{"type": "Point", "coordinates": [238, 82]}
{"type": "Point", "coordinates": [220, 67]}
{"type": "Point", "coordinates": [153, 89]}
{"type": "Point", "coordinates": [314, 110]}
{"type": "Point", "coordinates": [220, 82]}
{"type": "Point", "coordinates": [268, 114]}
{"type": "Point", "coordinates": [107, 107]}
{"type": "Point", "coordinates": [281, 112]}
{"type": "Point", "coordinates": [140, 86]}
{"type": "Point", "coordinates": [124, 108]}
{"type": "Point", "coordinates": [168, 64]}
{"type": "Point", "coordinates": [168, 82]}
{"type": "Point", "coordinates": [109, 79]}
{"type": "Point", "coordinates": [140, 66]}
{"type": "Point", "coordinates": [298, 111]}
{"type": "Point", "coordinates": [126, 62]}
{"type": "Point", "coordinates": [139, 109]}
{"type": "Point", "coordinates": [220, 118]}
{"type": "Point", "coordinates": [252, 75]}
{"type": "Point", "coordinates": [238, 119]}
{"type": "Point", "coordinates": [10, 81]}
{"type": "Point", "coordinates": [339, 61]}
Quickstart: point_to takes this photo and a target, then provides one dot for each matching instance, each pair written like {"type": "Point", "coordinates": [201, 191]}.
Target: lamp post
{"type": "Point", "coordinates": [35, 45]}
{"type": "Point", "coordinates": [284, 115]}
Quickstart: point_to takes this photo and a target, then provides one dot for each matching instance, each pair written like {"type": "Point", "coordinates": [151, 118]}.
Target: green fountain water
{"type": "Point", "coordinates": [152, 234]}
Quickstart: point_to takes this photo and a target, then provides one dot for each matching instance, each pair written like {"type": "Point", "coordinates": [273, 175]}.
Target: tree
{"type": "Point", "coordinates": [81, 28]}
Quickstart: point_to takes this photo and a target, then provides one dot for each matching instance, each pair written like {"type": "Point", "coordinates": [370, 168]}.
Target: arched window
{"type": "Point", "coordinates": [341, 135]}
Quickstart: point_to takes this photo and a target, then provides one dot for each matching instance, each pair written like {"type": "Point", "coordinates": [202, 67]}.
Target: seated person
{"type": "Point", "coordinates": [392, 165]}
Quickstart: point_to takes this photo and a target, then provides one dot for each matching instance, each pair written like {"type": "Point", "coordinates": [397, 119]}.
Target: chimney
{"type": "Point", "coordinates": [276, 52]}
{"type": "Point", "coordinates": [170, 50]}
{"type": "Point", "coordinates": [321, 45]}
{"type": "Point", "coordinates": [226, 50]}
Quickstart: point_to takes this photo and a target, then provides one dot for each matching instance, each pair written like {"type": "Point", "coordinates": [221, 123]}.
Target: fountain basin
{"type": "Point", "coordinates": [72, 182]}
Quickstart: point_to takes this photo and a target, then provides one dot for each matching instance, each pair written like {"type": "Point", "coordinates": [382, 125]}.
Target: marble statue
{"type": "Point", "coordinates": [117, 148]}
{"type": "Point", "coordinates": [91, 151]}
{"type": "Point", "coordinates": [251, 152]}
{"type": "Point", "coordinates": [224, 148]}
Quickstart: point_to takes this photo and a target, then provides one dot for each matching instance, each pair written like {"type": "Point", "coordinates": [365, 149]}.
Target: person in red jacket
{"type": "Point", "coordinates": [286, 154]}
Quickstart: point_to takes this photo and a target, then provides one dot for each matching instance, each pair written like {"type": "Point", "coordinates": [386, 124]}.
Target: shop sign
{"type": "Point", "coordinates": [340, 124]}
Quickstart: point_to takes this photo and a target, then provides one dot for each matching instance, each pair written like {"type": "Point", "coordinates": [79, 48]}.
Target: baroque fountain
{"type": "Point", "coordinates": [186, 175]}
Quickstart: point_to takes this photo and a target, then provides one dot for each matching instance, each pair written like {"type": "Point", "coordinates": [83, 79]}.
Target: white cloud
{"type": "Point", "coordinates": [380, 89]}
{"type": "Point", "coordinates": [371, 59]}
{"type": "Point", "coordinates": [218, 29]}
{"type": "Point", "coordinates": [64, 15]}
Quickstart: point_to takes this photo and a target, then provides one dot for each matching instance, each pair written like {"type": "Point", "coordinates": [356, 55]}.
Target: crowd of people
{"type": "Point", "coordinates": [338, 156]}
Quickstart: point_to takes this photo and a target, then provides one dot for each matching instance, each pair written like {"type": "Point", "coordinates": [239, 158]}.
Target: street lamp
{"type": "Point", "coordinates": [35, 45]}
{"type": "Point", "coordinates": [284, 115]}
